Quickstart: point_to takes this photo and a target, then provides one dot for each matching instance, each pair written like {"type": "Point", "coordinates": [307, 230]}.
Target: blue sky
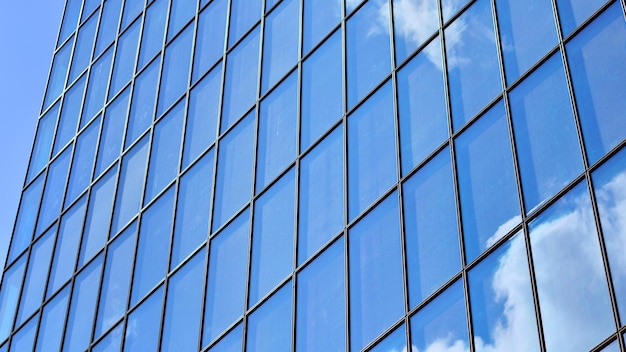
{"type": "Point", "coordinates": [28, 31]}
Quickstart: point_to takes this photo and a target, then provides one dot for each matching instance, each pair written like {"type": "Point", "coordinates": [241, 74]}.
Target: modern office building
{"type": "Point", "coordinates": [321, 175]}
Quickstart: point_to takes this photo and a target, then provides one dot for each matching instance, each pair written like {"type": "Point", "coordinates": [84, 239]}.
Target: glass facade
{"type": "Point", "coordinates": [326, 175]}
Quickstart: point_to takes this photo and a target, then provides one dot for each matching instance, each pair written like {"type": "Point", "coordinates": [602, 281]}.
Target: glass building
{"type": "Point", "coordinates": [321, 175]}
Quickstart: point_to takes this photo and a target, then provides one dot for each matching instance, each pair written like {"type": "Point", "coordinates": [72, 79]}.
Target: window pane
{"type": "Point", "coordinates": [472, 59]}
{"type": "Point", "coordinates": [125, 56]}
{"type": "Point", "coordinates": [26, 216]}
{"type": "Point", "coordinates": [243, 14]}
{"type": "Point", "coordinates": [82, 164]}
{"type": "Point", "coordinates": [503, 313]}
{"type": "Point", "coordinates": [277, 131]}
{"type": "Point", "coordinates": [112, 132]}
{"type": "Point", "coordinates": [52, 322]}
{"type": "Point", "coordinates": [194, 208]}
{"type": "Point", "coordinates": [321, 209]}
{"type": "Point", "coordinates": [280, 42]}
{"type": "Point", "coordinates": [573, 13]}
{"type": "Point", "coordinates": [545, 133]}
{"type": "Point", "coordinates": [97, 88]}
{"type": "Point", "coordinates": [269, 327]}
{"type": "Point", "coordinates": [272, 237]}
{"type": "Point", "coordinates": [153, 32]}
{"type": "Point", "coordinates": [570, 275]}
{"type": "Point", "coordinates": [320, 16]}
{"type": "Point", "coordinates": [112, 342]}
{"type": "Point", "coordinates": [154, 244]}
{"type": "Point", "coordinates": [24, 339]}
{"type": "Point", "coordinates": [422, 106]}
{"type": "Point", "coordinates": [371, 151]}
{"type": "Point", "coordinates": [70, 18]}
{"type": "Point", "coordinates": [231, 342]}
{"type": "Point", "coordinates": [489, 202]}
{"type": "Point", "coordinates": [176, 66]}
{"type": "Point", "coordinates": [184, 306]}
{"type": "Point", "coordinates": [132, 9]}
{"type": "Point", "coordinates": [84, 47]}
{"type": "Point", "coordinates": [322, 91]}
{"type": "Point", "coordinates": [240, 88]}
{"type": "Point", "coordinates": [181, 11]}
{"type": "Point", "coordinates": [9, 296]}
{"type": "Point", "coordinates": [596, 58]}
{"type": "Point", "coordinates": [368, 49]}
{"type": "Point", "coordinates": [108, 25]}
{"type": "Point", "coordinates": [43, 142]}
{"type": "Point", "coordinates": [321, 310]}
{"type": "Point", "coordinates": [70, 113]}
{"type": "Point", "coordinates": [527, 33]}
{"type": "Point", "coordinates": [142, 329]}
{"type": "Point", "coordinates": [432, 238]}
{"type": "Point", "coordinates": [53, 195]}
{"type": "Point", "coordinates": [58, 72]}
{"type": "Point", "coordinates": [396, 341]}
{"type": "Point", "coordinates": [451, 7]}
{"type": "Point", "coordinates": [376, 283]}
{"type": "Point", "coordinates": [210, 37]}
{"type": "Point", "coordinates": [234, 172]}
{"type": "Point", "coordinates": [228, 270]}
{"type": "Point", "coordinates": [414, 21]}
{"type": "Point", "coordinates": [143, 103]}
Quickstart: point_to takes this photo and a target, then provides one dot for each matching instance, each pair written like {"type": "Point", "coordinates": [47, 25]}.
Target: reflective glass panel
{"type": "Point", "coordinates": [88, 8]}
{"type": "Point", "coordinates": [231, 342]}
{"type": "Point", "coordinates": [432, 238]}
{"type": "Point", "coordinates": [142, 329]}
{"type": "Point", "coordinates": [320, 16]}
{"type": "Point", "coordinates": [487, 186]}
{"type": "Point", "coordinates": [280, 42]}
{"type": "Point", "coordinates": [24, 339]}
{"type": "Point", "coordinates": [545, 133]}
{"type": "Point", "coordinates": [376, 283]}
{"type": "Point", "coordinates": [181, 11]}
{"type": "Point", "coordinates": [53, 194]}
{"type": "Point", "coordinates": [176, 65]}
{"type": "Point", "coordinates": [112, 342]}
{"type": "Point", "coordinates": [613, 347]}
{"type": "Point", "coordinates": [97, 87]}
{"type": "Point", "coordinates": [322, 97]}
{"type": "Point", "coordinates": [596, 60]}
{"type": "Point", "coordinates": [572, 13]}
{"type": "Point", "coordinates": [228, 271]}
{"type": "Point", "coordinates": [371, 151]}
{"type": "Point", "coordinates": [132, 9]}
{"type": "Point", "coordinates": [143, 103]}
{"type": "Point", "coordinates": [108, 25]}
{"type": "Point", "coordinates": [26, 217]}
{"type": "Point", "coordinates": [414, 21]}
{"type": "Point", "coordinates": [9, 296]}
{"type": "Point", "coordinates": [52, 322]}
{"type": "Point", "coordinates": [70, 113]}
{"type": "Point", "coordinates": [243, 14]}
{"type": "Point", "coordinates": [321, 303]}
{"type": "Point", "coordinates": [210, 37]}
{"type": "Point", "coordinates": [269, 327]}
{"type": "Point", "coordinates": [394, 342]}
{"type": "Point", "coordinates": [472, 59]}
{"type": "Point", "coordinates": [368, 50]}
{"type": "Point", "coordinates": [58, 72]}
{"type": "Point", "coordinates": [125, 55]}
{"type": "Point", "coordinates": [82, 163]}
{"type": "Point", "coordinates": [84, 46]}
{"type": "Point", "coordinates": [571, 282]}
{"type": "Point", "coordinates": [451, 7]}
{"type": "Point", "coordinates": [43, 142]}
{"type": "Point", "coordinates": [277, 131]}
{"type": "Point", "coordinates": [153, 32]}
{"type": "Point", "coordinates": [70, 18]}
{"type": "Point", "coordinates": [422, 106]}
{"type": "Point", "coordinates": [112, 132]}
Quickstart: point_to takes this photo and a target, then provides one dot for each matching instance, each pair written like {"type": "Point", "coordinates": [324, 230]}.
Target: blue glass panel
{"type": "Point", "coordinates": [116, 280]}
{"type": "Point", "coordinates": [142, 329]}
{"type": "Point", "coordinates": [321, 303]}
{"type": "Point", "coordinates": [503, 313]}
{"type": "Point", "coordinates": [234, 172]}
{"type": "Point", "coordinates": [60, 66]}
{"type": "Point", "coordinates": [176, 65]}
{"type": "Point", "coordinates": [184, 306]}
{"type": "Point", "coordinates": [243, 14]}
{"type": "Point", "coordinates": [70, 18]}
{"type": "Point", "coordinates": [24, 339]}
{"type": "Point", "coordinates": [596, 60]}
{"type": "Point", "coordinates": [154, 244]}
{"type": "Point", "coordinates": [82, 163]}
{"type": "Point", "coordinates": [396, 341]}
{"type": "Point", "coordinates": [570, 274]}
{"type": "Point", "coordinates": [181, 11]}
{"type": "Point", "coordinates": [573, 13]}
{"type": "Point", "coordinates": [545, 133]}
{"type": "Point", "coordinates": [97, 88]}
{"type": "Point", "coordinates": [37, 276]}
{"type": "Point", "coordinates": [112, 132]}
{"type": "Point", "coordinates": [202, 116]}
{"type": "Point", "coordinates": [125, 56]}
{"type": "Point", "coordinates": [269, 327]}
{"type": "Point", "coordinates": [43, 142]}
{"type": "Point", "coordinates": [84, 46]}
{"type": "Point", "coordinates": [228, 271]}
{"type": "Point", "coordinates": [153, 32]}
{"type": "Point", "coordinates": [320, 16]}
{"type": "Point", "coordinates": [112, 342]}
{"type": "Point", "coordinates": [108, 25]}
{"type": "Point", "coordinates": [67, 244]}
{"type": "Point", "coordinates": [322, 91]}
{"type": "Point", "coordinates": [132, 9]}
{"type": "Point", "coordinates": [53, 194]}
{"type": "Point", "coordinates": [98, 216]}
{"type": "Point", "coordinates": [422, 106]}
{"type": "Point", "coordinates": [10, 295]}
{"type": "Point", "coordinates": [210, 37]}
{"type": "Point", "coordinates": [488, 191]}
{"type": "Point", "coordinates": [194, 208]}
{"type": "Point", "coordinates": [165, 151]}
{"type": "Point", "coordinates": [269, 4]}
{"type": "Point", "coordinates": [88, 8]}
{"type": "Point", "coordinates": [231, 342]}
{"type": "Point", "coordinates": [432, 239]}
{"type": "Point", "coordinates": [280, 42]}
{"type": "Point", "coordinates": [70, 113]}
{"type": "Point", "coordinates": [240, 88]}
{"type": "Point", "coordinates": [130, 185]}
{"type": "Point", "coordinates": [472, 58]}
{"type": "Point", "coordinates": [277, 131]}
{"type": "Point", "coordinates": [52, 322]}
{"type": "Point", "coordinates": [613, 347]}
{"type": "Point", "coordinates": [442, 324]}
{"type": "Point", "coordinates": [376, 283]}
{"type": "Point", "coordinates": [371, 151]}
{"type": "Point", "coordinates": [143, 103]}
{"type": "Point", "coordinates": [351, 5]}
{"type": "Point", "coordinates": [321, 208]}
{"type": "Point", "coordinates": [527, 33]}
{"type": "Point", "coordinates": [272, 237]}
{"type": "Point", "coordinates": [82, 308]}
{"type": "Point", "coordinates": [451, 7]}
{"type": "Point", "coordinates": [414, 21]}
{"type": "Point", "coordinates": [609, 181]}
{"type": "Point", "coordinates": [26, 217]}
{"type": "Point", "coordinates": [368, 49]}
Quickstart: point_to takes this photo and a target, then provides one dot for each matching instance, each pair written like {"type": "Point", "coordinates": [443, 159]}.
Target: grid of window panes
{"type": "Point", "coordinates": [322, 175]}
